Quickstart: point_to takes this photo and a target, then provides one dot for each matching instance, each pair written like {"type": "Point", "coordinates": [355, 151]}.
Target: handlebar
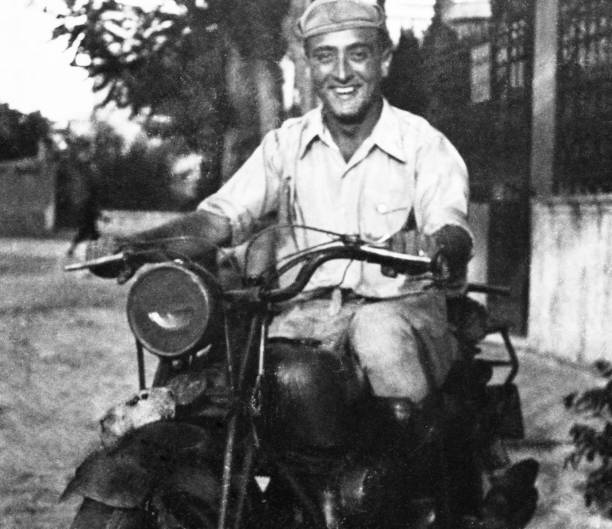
{"type": "Point", "coordinates": [401, 263]}
{"type": "Point", "coordinates": [314, 258]}
{"type": "Point", "coordinates": [345, 248]}
{"type": "Point", "coordinates": [496, 290]}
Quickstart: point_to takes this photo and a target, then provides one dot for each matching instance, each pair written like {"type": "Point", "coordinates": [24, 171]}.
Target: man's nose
{"type": "Point", "coordinates": [343, 71]}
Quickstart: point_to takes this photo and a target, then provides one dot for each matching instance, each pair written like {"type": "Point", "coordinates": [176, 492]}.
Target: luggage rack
{"type": "Point", "coordinates": [501, 327]}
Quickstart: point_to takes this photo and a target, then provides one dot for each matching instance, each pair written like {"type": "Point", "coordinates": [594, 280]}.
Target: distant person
{"type": "Point", "coordinates": [88, 215]}
{"type": "Point", "coordinates": [88, 207]}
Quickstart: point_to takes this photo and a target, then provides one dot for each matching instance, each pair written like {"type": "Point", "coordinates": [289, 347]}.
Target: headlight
{"type": "Point", "coordinates": [172, 309]}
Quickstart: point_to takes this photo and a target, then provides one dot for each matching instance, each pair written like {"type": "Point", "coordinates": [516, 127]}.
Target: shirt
{"type": "Point", "coordinates": [404, 169]}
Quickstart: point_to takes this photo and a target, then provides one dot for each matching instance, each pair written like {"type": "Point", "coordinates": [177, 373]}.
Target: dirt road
{"type": "Point", "coordinates": [66, 355]}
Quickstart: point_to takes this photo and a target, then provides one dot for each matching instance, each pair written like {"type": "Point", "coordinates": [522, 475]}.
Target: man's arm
{"type": "Point", "coordinates": [215, 229]}
{"type": "Point", "coordinates": [441, 206]}
{"type": "Point", "coordinates": [225, 218]}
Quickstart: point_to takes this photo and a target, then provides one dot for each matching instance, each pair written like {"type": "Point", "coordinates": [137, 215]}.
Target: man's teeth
{"type": "Point", "coordinates": [345, 91]}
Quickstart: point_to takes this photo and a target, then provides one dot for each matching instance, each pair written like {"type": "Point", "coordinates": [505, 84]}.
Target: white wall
{"type": "Point", "coordinates": [27, 196]}
{"type": "Point", "coordinates": [571, 282]}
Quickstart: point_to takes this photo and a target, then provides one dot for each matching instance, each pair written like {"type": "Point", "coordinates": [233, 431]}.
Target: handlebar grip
{"type": "Point", "coordinates": [483, 288]}
{"type": "Point", "coordinates": [100, 261]}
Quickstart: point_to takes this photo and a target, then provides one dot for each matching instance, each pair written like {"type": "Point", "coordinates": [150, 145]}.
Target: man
{"type": "Point", "coordinates": [355, 165]}
{"type": "Point", "coordinates": [82, 172]}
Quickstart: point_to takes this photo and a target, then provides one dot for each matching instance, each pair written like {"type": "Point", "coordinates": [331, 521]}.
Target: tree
{"type": "Point", "coordinates": [593, 441]}
{"type": "Point", "coordinates": [205, 70]}
{"type": "Point", "coordinates": [404, 86]}
{"type": "Point", "coordinates": [20, 133]}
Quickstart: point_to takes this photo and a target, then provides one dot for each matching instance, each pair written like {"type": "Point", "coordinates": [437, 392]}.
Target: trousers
{"type": "Point", "coordinates": [402, 345]}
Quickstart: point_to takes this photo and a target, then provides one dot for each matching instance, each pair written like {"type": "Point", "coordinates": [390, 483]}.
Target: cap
{"type": "Point", "coordinates": [325, 16]}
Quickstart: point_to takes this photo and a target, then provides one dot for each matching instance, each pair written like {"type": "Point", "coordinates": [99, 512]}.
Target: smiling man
{"type": "Point", "coordinates": [347, 66]}
{"type": "Point", "coordinates": [355, 165]}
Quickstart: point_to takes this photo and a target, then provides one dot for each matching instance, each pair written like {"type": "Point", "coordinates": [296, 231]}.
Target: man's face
{"type": "Point", "coordinates": [347, 67]}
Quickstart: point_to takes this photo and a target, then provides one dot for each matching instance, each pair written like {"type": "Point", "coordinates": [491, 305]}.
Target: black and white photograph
{"type": "Point", "coordinates": [306, 264]}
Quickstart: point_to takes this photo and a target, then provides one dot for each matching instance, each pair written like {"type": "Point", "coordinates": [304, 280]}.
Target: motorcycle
{"type": "Point", "coordinates": [240, 430]}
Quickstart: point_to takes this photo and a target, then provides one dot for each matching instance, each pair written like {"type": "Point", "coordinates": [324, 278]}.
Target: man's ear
{"type": "Point", "coordinates": [387, 55]}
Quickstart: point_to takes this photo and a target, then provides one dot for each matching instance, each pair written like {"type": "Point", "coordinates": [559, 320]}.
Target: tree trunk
{"type": "Point", "coordinates": [252, 76]}
{"type": "Point", "coordinates": [295, 52]}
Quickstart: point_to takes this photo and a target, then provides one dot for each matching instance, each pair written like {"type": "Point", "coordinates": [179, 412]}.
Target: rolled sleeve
{"type": "Point", "coordinates": [442, 187]}
{"type": "Point", "coordinates": [251, 193]}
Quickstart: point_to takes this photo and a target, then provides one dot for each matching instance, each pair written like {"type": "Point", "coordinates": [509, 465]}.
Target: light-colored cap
{"type": "Point", "coordinates": [325, 16]}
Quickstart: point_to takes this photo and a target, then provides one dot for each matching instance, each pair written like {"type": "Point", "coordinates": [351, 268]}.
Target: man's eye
{"type": "Point", "coordinates": [359, 55]}
{"type": "Point", "coordinates": [324, 56]}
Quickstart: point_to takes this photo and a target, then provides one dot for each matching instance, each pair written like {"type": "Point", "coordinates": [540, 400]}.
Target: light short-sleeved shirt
{"type": "Point", "coordinates": [405, 171]}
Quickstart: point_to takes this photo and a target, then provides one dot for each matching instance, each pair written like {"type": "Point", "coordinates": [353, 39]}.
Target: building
{"type": "Point", "coordinates": [27, 195]}
{"type": "Point", "coordinates": [539, 122]}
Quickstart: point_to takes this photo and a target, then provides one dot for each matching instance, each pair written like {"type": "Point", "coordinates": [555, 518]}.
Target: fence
{"type": "Point", "coordinates": [584, 96]}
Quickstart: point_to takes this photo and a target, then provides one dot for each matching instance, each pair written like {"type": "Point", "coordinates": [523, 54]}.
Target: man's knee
{"type": "Point", "coordinates": [377, 323]}
{"type": "Point", "coordinates": [386, 349]}
{"type": "Point", "coordinates": [399, 358]}
{"type": "Point", "coordinates": [378, 329]}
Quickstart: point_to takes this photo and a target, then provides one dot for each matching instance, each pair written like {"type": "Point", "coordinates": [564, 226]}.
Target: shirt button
{"type": "Point", "coordinates": [382, 208]}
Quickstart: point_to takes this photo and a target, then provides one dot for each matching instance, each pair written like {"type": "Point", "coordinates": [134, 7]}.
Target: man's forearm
{"type": "Point", "coordinates": [215, 229]}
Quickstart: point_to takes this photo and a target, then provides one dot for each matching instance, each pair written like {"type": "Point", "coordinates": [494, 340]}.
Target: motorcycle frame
{"type": "Point", "coordinates": [243, 392]}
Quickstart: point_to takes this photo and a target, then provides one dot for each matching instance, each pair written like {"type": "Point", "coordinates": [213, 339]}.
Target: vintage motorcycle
{"type": "Point", "coordinates": [239, 430]}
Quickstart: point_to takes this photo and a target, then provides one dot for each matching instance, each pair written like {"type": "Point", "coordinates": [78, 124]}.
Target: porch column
{"type": "Point", "coordinates": [544, 94]}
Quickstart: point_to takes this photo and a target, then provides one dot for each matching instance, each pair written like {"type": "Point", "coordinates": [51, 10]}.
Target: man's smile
{"type": "Point", "coordinates": [344, 92]}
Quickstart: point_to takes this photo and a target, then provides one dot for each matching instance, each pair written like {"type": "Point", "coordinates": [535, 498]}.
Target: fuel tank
{"type": "Point", "coordinates": [315, 396]}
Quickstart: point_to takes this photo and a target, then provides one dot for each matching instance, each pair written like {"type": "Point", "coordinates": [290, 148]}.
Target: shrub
{"type": "Point", "coordinates": [593, 444]}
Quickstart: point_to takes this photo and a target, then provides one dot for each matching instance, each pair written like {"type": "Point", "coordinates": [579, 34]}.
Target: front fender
{"type": "Point", "coordinates": [158, 455]}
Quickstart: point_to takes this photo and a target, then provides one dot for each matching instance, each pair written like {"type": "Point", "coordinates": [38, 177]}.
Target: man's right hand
{"type": "Point", "coordinates": [103, 247]}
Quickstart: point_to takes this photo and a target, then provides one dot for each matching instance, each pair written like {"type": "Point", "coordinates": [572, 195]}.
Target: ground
{"type": "Point", "coordinates": [66, 355]}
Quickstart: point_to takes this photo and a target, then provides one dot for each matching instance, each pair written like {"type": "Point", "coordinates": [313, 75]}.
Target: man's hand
{"type": "Point", "coordinates": [453, 249]}
{"type": "Point", "coordinates": [103, 247]}
{"type": "Point", "coordinates": [440, 267]}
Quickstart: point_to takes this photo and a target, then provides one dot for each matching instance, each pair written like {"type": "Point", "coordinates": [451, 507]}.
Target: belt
{"type": "Point", "coordinates": [345, 294]}
{"type": "Point", "coordinates": [326, 293]}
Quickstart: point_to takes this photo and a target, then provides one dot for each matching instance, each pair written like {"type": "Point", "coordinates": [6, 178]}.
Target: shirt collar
{"type": "Point", "coordinates": [313, 128]}
{"type": "Point", "coordinates": [386, 134]}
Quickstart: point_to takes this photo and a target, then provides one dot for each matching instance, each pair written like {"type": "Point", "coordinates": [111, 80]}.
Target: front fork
{"type": "Point", "coordinates": [238, 410]}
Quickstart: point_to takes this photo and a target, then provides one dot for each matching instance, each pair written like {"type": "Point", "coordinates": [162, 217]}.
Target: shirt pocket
{"type": "Point", "coordinates": [384, 214]}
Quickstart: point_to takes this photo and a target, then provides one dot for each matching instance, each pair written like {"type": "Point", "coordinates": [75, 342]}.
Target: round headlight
{"type": "Point", "coordinates": [171, 309]}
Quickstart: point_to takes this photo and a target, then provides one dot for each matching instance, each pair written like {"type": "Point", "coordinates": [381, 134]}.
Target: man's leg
{"type": "Point", "coordinates": [383, 336]}
{"type": "Point", "coordinates": [403, 345]}
{"type": "Point", "coordinates": [406, 351]}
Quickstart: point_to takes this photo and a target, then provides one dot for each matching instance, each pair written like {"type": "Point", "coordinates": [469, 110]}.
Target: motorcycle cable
{"type": "Point", "coordinates": [277, 227]}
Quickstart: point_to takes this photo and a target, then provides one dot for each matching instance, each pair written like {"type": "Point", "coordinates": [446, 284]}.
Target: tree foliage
{"type": "Point", "coordinates": [150, 61]}
{"type": "Point", "coordinates": [404, 87]}
{"type": "Point", "coordinates": [171, 63]}
{"type": "Point", "coordinates": [20, 133]}
{"type": "Point", "coordinates": [593, 444]}
{"type": "Point", "coordinates": [137, 176]}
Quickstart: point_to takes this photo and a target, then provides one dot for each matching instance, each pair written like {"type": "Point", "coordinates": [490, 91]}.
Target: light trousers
{"type": "Point", "coordinates": [402, 345]}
